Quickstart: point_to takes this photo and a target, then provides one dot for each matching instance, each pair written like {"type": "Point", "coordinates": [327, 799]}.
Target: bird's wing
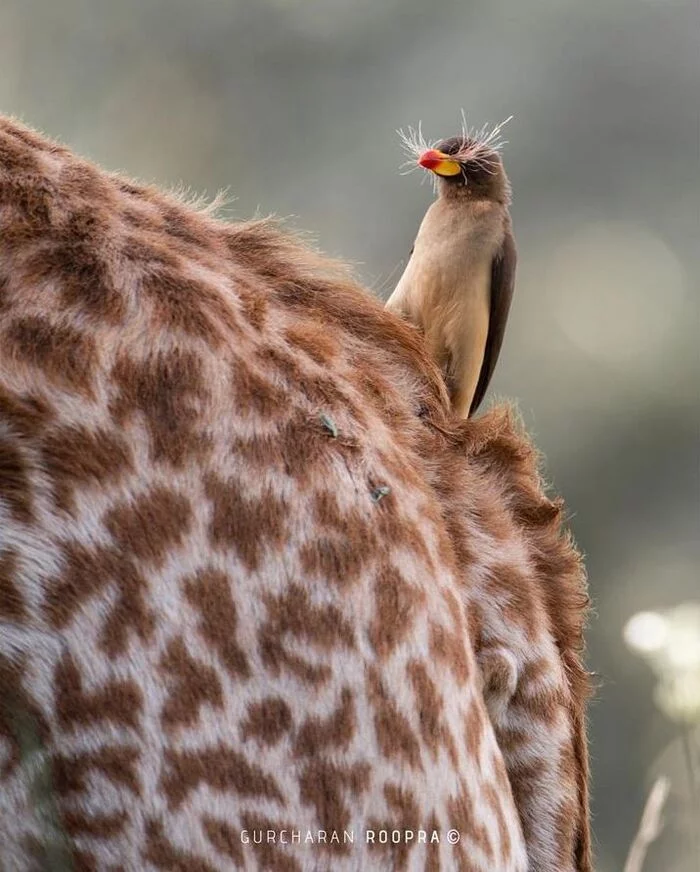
{"type": "Point", "coordinates": [502, 284]}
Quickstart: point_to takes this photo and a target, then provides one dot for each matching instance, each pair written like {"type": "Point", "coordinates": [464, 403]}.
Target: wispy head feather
{"type": "Point", "coordinates": [414, 145]}
{"type": "Point", "coordinates": [478, 145]}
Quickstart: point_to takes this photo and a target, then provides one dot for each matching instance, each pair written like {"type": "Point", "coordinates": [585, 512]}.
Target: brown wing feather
{"type": "Point", "coordinates": [502, 285]}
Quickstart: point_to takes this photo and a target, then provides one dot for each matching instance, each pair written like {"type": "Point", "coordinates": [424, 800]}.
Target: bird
{"type": "Point", "coordinates": [458, 283]}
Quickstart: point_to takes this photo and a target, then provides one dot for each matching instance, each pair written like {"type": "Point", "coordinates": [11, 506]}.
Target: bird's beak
{"type": "Point", "coordinates": [439, 162]}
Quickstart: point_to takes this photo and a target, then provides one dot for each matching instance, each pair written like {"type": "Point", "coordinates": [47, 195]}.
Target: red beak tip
{"type": "Point", "coordinates": [429, 160]}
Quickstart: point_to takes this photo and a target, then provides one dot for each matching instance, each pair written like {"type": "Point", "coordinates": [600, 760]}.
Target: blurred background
{"type": "Point", "coordinates": [292, 105]}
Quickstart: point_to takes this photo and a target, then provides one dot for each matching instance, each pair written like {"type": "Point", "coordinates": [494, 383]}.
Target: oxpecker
{"type": "Point", "coordinates": [458, 284]}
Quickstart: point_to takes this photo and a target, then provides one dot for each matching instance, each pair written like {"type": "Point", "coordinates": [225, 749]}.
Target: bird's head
{"type": "Point", "coordinates": [464, 167]}
{"type": "Point", "coordinates": [467, 165]}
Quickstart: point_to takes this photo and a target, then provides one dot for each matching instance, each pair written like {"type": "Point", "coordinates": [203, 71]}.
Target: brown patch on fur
{"type": "Point", "coordinates": [75, 457]}
{"type": "Point", "coordinates": [405, 470]}
{"type": "Point", "coordinates": [255, 394]}
{"type": "Point", "coordinates": [583, 848]}
{"type": "Point", "coordinates": [66, 356]}
{"type": "Point", "coordinates": [532, 777]}
{"type": "Point", "coordinates": [434, 731]}
{"type": "Point", "coordinates": [15, 157]}
{"type": "Point", "coordinates": [32, 139]}
{"type": "Point", "coordinates": [192, 684]}
{"type": "Point", "coordinates": [30, 203]}
{"type": "Point", "coordinates": [15, 481]}
{"type": "Point", "coordinates": [394, 734]}
{"type": "Point", "coordinates": [267, 720]}
{"type": "Point", "coordinates": [65, 215]}
{"type": "Point", "coordinates": [219, 767]}
{"type": "Point", "coordinates": [138, 218]}
{"type": "Point", "coordinates": [391, 525]}
{"type": "Point", "coordinates": [473, 730]}
{"type": "Point", "coordinates": [70, 772]}
{"type": "Point", "coordinates": [463, 818]}
{"type": "Point", "coordinates": [332, 733]}
{"type": "Point", "coordinates": [151, 526]}
{"type": "Point", "coordinates": [511, 739]}
{"type": "Point", "coordinates": [85, 281]}
{"type": "Point", "coordinates": [102, 826]}
{"type": "Point", "coordinates": [333, 560]}
{"type": "Point", "coordinates": [521, 604]}
{"type": "Point", "coordinates": [405, 816]}
{"type": "Point", "coordinates": [341, 553]}
{"type": "Point", "coordinates": [118, 701]}
{"type": "Point", "coordinates": [293, 614]}
{"type": "Point", "coordinates": [313, 340]}
{"type": "Point", "coordinates": [322, 785]}
{"type": "Point", "coordinates": [247, 524]}
{"type": "Point", "coordinates": [184, 227]}
{"type": "Point", "coordinates": [271, 857]}
{"type": "Point", "coordinates": [225, 839]}
{"type": "Point", "coordinates": [12, 605]}
{"type": "Point", "coordinates": [146, 252]}
{"type": "Point", "coordinates": [539, 702]}
{"type": "Point", "coordinates": [210, 593]}
{"type": "Point", "coordinates": [320, 389]}
{"type": "Point", "coordinates": [451, 649]}
{"type": "Point", "coordinates": [86, 572]}
{"type": "Point", "coordinates": [130, 611]}
{"type": "Point", "coordinates": [27, 415]}
{"type": "Point", "coordinates": [398, 603]}
{"type": "Point", "coordinates": [83, 182]}
{"type": "Point", "coordinates": [253, 303]}
{"type": "Point", "coordinates": [498, 677]}
{"type": "Point", "coordinates": [566, 825]}
{"type": "Point", "coordinates": [372, 385]}
{"type": "Point", "coordinates": [191, 306]}
{"type": "Point", "coordinates": [167, 390]}
{"type": "Point", "coordinates": [162, 854]}
{"type": "Point", "coordinates": [455, 609]}
{"type": "Point", "coordinates": [504, 843]}
{"type": "Point", "coordinates": [298, 448]}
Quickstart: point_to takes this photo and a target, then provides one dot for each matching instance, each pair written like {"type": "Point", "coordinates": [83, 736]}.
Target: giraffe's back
{"type": "Point", "coordinates": [232, 599]}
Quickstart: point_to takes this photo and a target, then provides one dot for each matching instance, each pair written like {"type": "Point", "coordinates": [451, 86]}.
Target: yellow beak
{"type": "Point", "coordinates": [439, 162]}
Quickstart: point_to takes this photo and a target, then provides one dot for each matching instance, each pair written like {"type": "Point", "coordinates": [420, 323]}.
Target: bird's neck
{"type": "Point", "coordinates": [454, 192]}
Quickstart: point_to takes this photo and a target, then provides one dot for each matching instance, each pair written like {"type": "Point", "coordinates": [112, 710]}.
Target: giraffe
{"type": "Point", "coordinates": [264, 603]}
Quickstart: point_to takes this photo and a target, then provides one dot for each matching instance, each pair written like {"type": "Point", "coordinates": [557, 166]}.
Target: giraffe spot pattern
{"type": "Point", "coordinates": [207, 623]}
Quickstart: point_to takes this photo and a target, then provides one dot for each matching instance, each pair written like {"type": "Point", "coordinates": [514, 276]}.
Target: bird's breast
{"type": "Point", "coordinates": [450, 267]}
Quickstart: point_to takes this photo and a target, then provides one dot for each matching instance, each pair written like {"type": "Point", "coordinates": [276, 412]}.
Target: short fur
{"type": "Point", "coordinates": [253, 574]}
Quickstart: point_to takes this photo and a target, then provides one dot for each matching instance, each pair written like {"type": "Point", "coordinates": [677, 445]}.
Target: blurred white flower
{"type": "Point", "coordinates": [646, 632]}
{"type": "Point", "coordinates": [670, 642]}
{"type": "Point", "coordinates": [678, 697]}
{"type": "Point", "coordinates": [683, 646]}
